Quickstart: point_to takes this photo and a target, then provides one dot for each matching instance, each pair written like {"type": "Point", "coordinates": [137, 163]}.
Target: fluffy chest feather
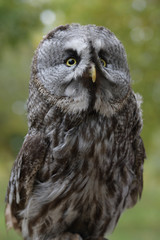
{"type": "Point", "coordinates": [77, 179]}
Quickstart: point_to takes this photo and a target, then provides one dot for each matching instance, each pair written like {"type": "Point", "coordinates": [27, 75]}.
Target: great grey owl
{"type": "Point", "coordinates": [81, 163]}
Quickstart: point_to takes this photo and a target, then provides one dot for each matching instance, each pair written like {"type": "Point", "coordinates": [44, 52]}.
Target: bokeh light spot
{"type": "Point", "coordinates": [19, 107]}
{"type": "Point", "coordinates": [156, 91]}
{"type": "Point", "coordinates": [47, 17]}
{"type": "Point", "coordinates": [139, 34]}
{"type": "Point", "coordinates": [139, 5]}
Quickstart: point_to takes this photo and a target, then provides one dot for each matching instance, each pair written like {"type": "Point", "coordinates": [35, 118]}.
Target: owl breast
{"type": "Point", "coordinates": [80, 177]}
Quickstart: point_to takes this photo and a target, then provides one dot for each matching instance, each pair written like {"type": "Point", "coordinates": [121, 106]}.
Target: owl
{"type": "Point", "coordinates": [81, 163]}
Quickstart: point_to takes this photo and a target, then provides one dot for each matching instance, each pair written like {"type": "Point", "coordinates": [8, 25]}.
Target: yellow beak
{"type": "Point", "coordinates": [93, 73]}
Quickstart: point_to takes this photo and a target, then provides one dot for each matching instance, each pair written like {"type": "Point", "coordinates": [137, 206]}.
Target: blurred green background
{"type": "Point", "coordinates": [137, 24]}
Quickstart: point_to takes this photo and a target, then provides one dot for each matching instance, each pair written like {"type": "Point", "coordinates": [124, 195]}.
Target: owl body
{"type": "Point", "coordinates": [81, 162]}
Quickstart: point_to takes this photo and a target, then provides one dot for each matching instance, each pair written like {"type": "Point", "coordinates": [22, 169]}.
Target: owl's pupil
{"type": "Point", "coordinates": [70, 62]}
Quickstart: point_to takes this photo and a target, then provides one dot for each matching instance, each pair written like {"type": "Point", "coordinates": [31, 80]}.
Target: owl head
{"type": "Point", "coordinates": [82, 68]}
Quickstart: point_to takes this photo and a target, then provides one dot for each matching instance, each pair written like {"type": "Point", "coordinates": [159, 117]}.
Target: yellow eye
{"type": "Point", "coordinates": [103, 62]}
{"type": "Point", "coordinates": [71, 62]}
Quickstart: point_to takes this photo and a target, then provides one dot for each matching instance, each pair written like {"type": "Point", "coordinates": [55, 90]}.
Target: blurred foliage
{"type": "Point", "coordinates": [17, 20]}
{"type": "Point", "coordinates": [137, 24]}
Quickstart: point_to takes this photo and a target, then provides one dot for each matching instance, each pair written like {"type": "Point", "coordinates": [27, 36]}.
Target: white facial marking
{"type": "Point", "coordinates": [70, 91]}
{"type": "Point", "coordinates": [99, 44]}
{"type": "Point", "coordinates": [76, 44]}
